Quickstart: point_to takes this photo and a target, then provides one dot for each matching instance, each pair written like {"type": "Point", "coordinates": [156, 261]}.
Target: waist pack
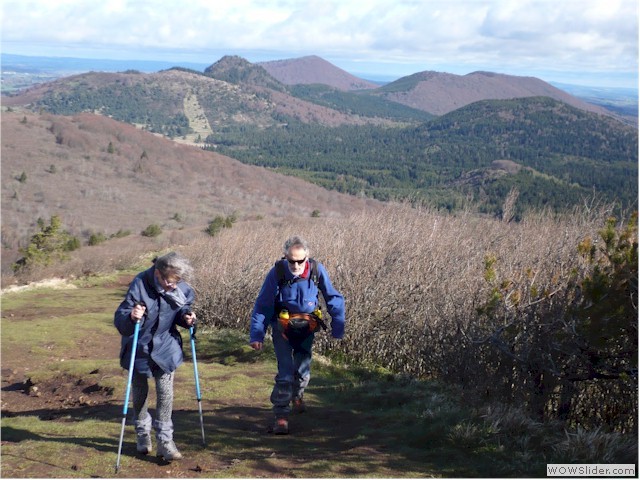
{"type": "Point", "coordinates": [296, 326]}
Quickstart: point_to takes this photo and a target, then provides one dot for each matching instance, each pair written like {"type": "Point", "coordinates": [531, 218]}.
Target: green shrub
{"type": "Point", "coordinates": [121, 234]}
{"type": "Point", "coordinates": [97, 238]}
{"type": "Point", "coordinates": [219, 223]}
{"type": "Point", "coordinates": [48, 245]}
{"type": "Point", "coordinates": [152, 230]}
{"type": "Point", "coordinates": [73, 243]}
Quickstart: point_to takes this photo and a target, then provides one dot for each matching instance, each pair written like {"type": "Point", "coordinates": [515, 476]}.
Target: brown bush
{"type": "Point", "coordinates": [416, 287]}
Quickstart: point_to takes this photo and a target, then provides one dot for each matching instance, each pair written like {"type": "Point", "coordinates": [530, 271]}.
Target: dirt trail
{"type": "Point", "coordinates": [62, 394]}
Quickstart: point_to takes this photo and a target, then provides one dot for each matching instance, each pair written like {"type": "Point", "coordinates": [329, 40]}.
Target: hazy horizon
{"type": "Point", "coordinates": [149, 66]}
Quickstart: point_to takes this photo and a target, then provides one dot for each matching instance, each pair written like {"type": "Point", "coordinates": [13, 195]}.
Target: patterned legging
{"type": "Point", "coordinates": [164, 395]}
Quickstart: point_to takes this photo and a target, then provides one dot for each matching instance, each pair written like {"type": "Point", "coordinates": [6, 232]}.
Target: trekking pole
{"type": "Point", "coordinates": [134, 347]}
{"type": "Point", "coordinates": [192, 333]}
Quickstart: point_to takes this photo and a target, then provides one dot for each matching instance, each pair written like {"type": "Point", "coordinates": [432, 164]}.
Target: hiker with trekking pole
{"type": "Point", "coordinates": [158, 300]}
{"type": "Point", "coordinates": [288, 303]}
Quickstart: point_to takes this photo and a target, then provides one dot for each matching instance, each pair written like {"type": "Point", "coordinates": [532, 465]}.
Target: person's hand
{"type": "Point", "coordinates": [138, 312]}
{"type": "Point", "coordinates": [189, 318]}
{"type": "Point", "coordinates": [256, 345]}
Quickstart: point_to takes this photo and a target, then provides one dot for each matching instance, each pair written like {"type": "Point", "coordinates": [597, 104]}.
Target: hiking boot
{"type": "Point", "coordinates": [143, 443]}
{"type": "Point", "coordinates": [298, 405]}
{"type": "Point", "coordinates": [281, 427]}
{"type": "Point", "coordinates": [168, 451]}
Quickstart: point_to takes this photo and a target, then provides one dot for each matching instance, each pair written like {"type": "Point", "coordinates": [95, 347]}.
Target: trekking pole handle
{"type": "Point", "coordinates": [140, 303]}
{"type": "Point", "coordinates": [192, 327]}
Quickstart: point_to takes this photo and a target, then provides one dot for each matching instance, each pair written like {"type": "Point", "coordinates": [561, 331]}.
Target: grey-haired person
{"type": "Point", "coordinates": [288, 303]}
{"type": "Point", "coordinates": [162, 299]}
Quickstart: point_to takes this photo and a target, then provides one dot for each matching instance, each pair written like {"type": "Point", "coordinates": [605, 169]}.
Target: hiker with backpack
{"type": "Point", "coordinates": [157, 301]}
{"type": "Point", "coordinates": [288, 303]}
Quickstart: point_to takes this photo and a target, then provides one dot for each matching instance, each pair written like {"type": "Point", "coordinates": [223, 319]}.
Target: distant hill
{"type": "Point", "coordinates": [102, 176]}
{"type": "Point", "coordinates": [231, 94]}
{"type": "Point", "coordinates": [20, 72]}
{"type": "Point", "coordinates": [314, 70]}
{"type": "Point", "coordinates": [440, 93]}
{"type": "Point", "coordinates": [556, 156]}
{"type": "Point", "coordinates": [237, 70]}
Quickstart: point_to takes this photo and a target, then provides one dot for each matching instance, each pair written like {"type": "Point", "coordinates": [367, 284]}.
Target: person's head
{"type": "Point", "coordinates": [171, 268]}
{"type": "Point", "coordinates": [296, 251]}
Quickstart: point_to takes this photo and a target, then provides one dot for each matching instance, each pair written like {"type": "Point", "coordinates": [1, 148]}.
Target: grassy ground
{"type": "Point", "coordinates": [62, 395]}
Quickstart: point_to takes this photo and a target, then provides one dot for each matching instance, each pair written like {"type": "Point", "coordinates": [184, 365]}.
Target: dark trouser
{"type": "Point", "coordinates": [294, 371]}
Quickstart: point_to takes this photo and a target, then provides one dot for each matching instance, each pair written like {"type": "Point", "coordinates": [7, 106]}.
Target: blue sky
{"type": "Point", "coordinates": [584, 42]}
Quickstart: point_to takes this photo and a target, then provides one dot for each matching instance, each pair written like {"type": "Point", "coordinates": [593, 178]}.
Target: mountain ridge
{"type": "Point", "coordinates": [313, 69]}
{"type": "Point", "coordinates": [440, 93]}
{"type": "Point", "coordinates": [433, 92]}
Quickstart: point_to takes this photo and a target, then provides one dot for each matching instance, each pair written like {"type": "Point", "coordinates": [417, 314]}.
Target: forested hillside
{"type": "Point", "coordinates": [555, 155]}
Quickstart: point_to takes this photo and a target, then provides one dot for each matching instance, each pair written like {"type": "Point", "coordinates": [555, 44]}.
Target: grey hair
{"type": "Point", "coordinates": [295, 241]}
{"type": "Point", "coordinates": [176, 264]}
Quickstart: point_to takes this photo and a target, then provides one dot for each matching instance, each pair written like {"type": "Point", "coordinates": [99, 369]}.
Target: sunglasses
{"type": "Point", "coordinates": [297, 262]}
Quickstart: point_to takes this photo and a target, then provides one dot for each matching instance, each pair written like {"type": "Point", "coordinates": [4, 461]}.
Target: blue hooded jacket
{"type": "Point", "coordinates": [297, 297]}
{"type": "Point", "coordinates": [158, 339]}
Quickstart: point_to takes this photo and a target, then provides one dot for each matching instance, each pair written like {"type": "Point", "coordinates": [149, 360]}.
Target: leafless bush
{"type": "Point", "coordinates": [509, 206]}
{"type": "Point", "coordinates": [414, 282]}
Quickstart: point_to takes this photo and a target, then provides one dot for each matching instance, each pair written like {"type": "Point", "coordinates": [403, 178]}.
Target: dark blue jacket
{"type": "Point", "coordinates": [158, 340]}
{"type": "Point", "coordinates": [297, 297]}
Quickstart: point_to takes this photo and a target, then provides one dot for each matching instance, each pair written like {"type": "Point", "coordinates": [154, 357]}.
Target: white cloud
{"type": "Point", "coordinates": [469, 34]}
